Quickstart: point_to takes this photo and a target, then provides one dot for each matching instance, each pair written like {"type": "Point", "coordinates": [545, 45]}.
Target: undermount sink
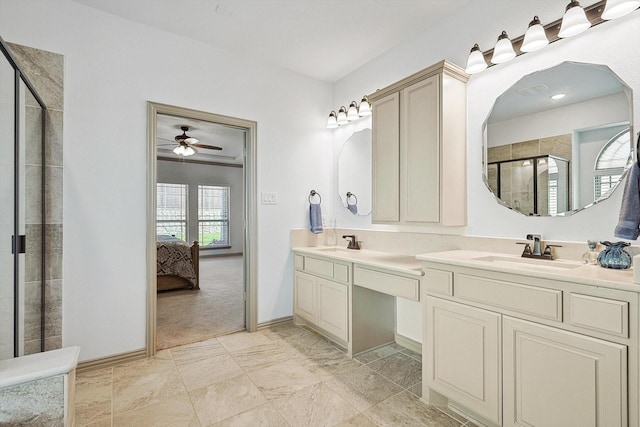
{"type": "Point", "coordinates": [529, 263]}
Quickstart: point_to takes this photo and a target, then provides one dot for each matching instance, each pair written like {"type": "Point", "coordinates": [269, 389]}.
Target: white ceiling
{"type": "Point", "coordinates": [323, 39]}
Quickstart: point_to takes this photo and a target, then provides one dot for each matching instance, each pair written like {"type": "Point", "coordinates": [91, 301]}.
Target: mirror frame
{"type": "Point", "coordinates": [633, 154]}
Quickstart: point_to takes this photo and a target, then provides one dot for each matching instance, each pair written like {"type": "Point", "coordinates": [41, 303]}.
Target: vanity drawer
{"type": "Point", "coordinates": [318, 266]}
{"type": "Point", "coordinates": [541, 302]}
{"type": "Point", "coordinates": [599, 314]}
{"type": "Point", "coordinates": [390, 284]}
{"type": "Point", "coordinates": [438, 281]}
{"type": "Point", "coordinates": [299, 262]}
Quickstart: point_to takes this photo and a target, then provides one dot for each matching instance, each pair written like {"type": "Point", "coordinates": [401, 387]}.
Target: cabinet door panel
{"type": "Point", "coordinates": [386, 159]}
{"type": "Point", "coordinates": [420, 152]}
{"type": "Point", "coordinates": [463, 358]}
{"type": "Point", "coordinates": [332, 308]}
{"type": "Point", "coordinates": [304, 295]}
{"type": "Point", "coordinates": [559, 378]}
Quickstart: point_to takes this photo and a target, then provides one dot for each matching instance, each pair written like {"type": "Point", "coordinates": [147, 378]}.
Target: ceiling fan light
{"type": "Point", "coordinates": [619, 8]}
{"type": "Point", "coordinates": [503, 51]}
{"type": "Point", "coordinates": [574, 21]}
{"type": "Point", "coordinates": [191, 140]}
{"type": "Point", "coordinates": [342, 116]}
{"type": "Point", "coordinates": [352, 112]}
{"type": "Point", "coordinates": [332, 122]}
{"type": "Point", "coordinates": [476, 61]}
{"type": "Point", "coordinates": [365, 107]}
{"type": "Point", "coordinates": [179, 150]}
{"type": "Point", "coordinates": [535, 38]}
{"type": "Point", "coordinates": [189, 151]}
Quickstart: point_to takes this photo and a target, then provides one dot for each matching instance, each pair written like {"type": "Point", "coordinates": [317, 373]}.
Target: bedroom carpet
{"type": "Point", "coordinates": [187, 316]}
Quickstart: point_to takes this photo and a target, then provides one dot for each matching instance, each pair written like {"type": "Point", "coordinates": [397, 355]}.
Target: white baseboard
{"type": "Point", "coordinates": [275, 322]}
{"type": "Point", "coordinates": [409, 343]}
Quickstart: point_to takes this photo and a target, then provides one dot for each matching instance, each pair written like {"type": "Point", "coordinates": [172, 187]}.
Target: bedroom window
{"type": "Point", "coordinates": [171, 214]}
{"type": "Point", "coordinates": [611, 162]}
{"type": "Point", "coordinates": [213, 216]}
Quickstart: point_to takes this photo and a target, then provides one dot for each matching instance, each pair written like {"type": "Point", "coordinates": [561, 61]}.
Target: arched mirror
{"type": "Point", "coordinates": [559, 140]}
{"type": "Point", "coordinates": [354, 173]}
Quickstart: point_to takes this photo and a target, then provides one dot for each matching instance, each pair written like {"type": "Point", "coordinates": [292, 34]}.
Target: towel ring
{"type": "Point", "coordinates": [314, 193]}
{"type": "Point", "coordinates": [350, 195]}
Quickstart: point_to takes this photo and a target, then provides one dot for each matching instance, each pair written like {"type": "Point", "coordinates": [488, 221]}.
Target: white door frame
{"type": "Point", "coordinates": [250, 211]}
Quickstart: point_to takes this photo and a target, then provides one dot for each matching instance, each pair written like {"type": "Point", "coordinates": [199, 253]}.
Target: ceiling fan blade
{"type": "Point", "coordinates": [209, 147]}
{"type": "Point", "coordinates": [165, 139]}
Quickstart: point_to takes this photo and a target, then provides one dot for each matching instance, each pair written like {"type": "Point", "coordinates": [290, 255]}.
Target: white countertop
{"type": "Point", "coordinates": [407, 264]}
{"type": "Point", "coordinates": [36, 366]}
{"type": "Point", "coordinates": [563, 270]}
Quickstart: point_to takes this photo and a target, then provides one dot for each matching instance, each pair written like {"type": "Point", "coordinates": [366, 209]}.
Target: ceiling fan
{"type": "Point", "coordinates": [187, 143]}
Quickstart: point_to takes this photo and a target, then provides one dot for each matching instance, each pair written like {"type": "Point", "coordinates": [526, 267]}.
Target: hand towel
{"type": "Point", "coordinates": [629, 219]}
{"type": "Point", "coordinates": [315, 215]}
{"type": "Point", "coordinates": [353, 208]}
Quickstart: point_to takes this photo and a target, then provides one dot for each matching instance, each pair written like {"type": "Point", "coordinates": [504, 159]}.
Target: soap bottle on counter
{"type": "Point", "coordinates": [591, 256]}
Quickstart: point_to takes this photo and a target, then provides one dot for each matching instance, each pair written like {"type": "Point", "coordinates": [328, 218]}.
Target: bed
{"type": "Point", "coordinates": [177, 263]}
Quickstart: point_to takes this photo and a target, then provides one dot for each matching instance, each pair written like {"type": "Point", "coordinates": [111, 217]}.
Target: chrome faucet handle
{"type": "Point", "coordinates": [547, 249]}
{"type": "Point", "coordinates": [527, 248]}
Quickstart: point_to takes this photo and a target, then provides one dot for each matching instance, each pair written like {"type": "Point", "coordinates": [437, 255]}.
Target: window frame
{"type": "Point", "coordinates": [224, 222]}
{"type": "Point", "coordinates": [184, 223]}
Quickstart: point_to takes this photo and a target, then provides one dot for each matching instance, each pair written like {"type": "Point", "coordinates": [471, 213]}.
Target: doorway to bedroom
{"type": "Point", "coordinates": [200, 243]}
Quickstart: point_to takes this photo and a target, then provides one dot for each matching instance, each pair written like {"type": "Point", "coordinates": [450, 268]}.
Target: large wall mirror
{"type": "Point", "coordinates": [354, 173]}
{"type": "Point", "coordinates": [558, 140]}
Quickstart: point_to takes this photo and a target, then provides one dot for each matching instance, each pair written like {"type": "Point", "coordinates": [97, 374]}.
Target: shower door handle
{"type": "Point", "coordinates": [19, 245]}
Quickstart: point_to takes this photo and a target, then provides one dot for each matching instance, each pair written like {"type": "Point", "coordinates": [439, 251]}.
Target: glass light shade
{"type": "Point", "coordinates": [189, 151]}
{"type": "Point", "coordinates": [526, 163]}
{"type": "Point", "coordinates": [618, 8]}
{"type": "Point", "coordinates": [342, 116]}
{"type": "Point", "coordinates": [574, 21]}
{"type": "Point", "coordinates": [475, 62]}
{"type": "Point", "coordinates": [352, 113]}
{"type": "Point", "coordinates": [365, 107]}
{"type": "Point", "coordinates": [332, 123]}
{"type": "Point", "coordinates": [191, 140]}
{"type": "Point", "coordinates": [179, 150]}
{"type": "Point", "coordinates": [503, 51]}
{"type": "Point", "coordinates": [535, 38]}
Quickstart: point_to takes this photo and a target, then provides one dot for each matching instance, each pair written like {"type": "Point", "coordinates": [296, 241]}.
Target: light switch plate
{"type": "Point", "coordinates": [269, 198]}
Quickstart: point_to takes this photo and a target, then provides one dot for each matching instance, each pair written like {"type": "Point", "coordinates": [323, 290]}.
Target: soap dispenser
{"type": "Point", "coordinates": [591, 256]}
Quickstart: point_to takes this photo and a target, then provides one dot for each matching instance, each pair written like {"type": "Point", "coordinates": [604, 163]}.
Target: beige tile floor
{"type": "Point", "coordinates": [282, 376]}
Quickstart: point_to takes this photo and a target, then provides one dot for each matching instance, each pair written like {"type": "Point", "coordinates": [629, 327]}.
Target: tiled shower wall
{"type": "Point", "coordinates": [45, 71]}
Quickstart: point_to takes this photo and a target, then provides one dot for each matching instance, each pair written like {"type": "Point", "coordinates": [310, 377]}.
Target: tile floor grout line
{"type": "Point", "coordinates": [185, 385]}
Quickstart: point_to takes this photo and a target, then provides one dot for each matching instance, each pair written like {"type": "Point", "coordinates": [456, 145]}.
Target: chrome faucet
{"type": "Point", "coordinates": [537, 251]}
{"type": "Point", "coordinates": [536, 244]}
{"type": "Point", "coordinates": [353, 243]}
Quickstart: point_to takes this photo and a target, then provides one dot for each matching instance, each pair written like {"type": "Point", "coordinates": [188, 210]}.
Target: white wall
{"type": "Point", "coordinates": [194, 174]}
{"type": "Point", "coordinates": [112, 68]}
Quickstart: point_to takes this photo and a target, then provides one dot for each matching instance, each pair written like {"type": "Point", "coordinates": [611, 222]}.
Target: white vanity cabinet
{"type": "Point", "coordinates": [419, 148]}
{"type": "Point", "coordinates": [515, 350]}
{"type": "Point", "coordinates": [321, 294]}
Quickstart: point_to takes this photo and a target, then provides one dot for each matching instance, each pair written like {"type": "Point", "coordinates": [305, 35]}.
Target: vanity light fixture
{"type": "Point", "coordinates": [619, 8]}
{"type": "Point", "coordinates": [354, 112]}
{"type": "Point", "coordinates": [503, 51]}
{"type": "Point", "coordinates": [476, 61]}
{"type": "Point", "coordinates": [365, 108]}
{"type": "Point", "coordinates": [535, 38]}
{"type": "Point", "coordinates": [332, 122]}
{"type": "Point", "coordinates": [526, 163]}
{"type": "Point", "coordinates": [574, 21]}
{"type": "Point", "coordinates": [342, 116]}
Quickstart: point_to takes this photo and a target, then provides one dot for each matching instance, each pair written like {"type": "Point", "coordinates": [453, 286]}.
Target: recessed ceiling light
{"type": "Point", "coordinates": [558, 96]}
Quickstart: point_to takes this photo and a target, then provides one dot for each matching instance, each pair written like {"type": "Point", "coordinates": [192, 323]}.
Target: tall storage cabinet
{"type": "Point", "coordinates": [419, 148]}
